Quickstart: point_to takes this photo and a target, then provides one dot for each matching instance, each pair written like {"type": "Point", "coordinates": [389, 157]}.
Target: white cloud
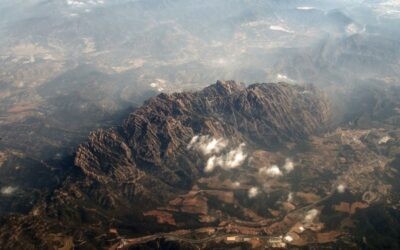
{"type": "Point", "coordinates": [272, 171]}
{"type": "Point", "coordinates": [236, 184]}
{"type": "Point", "coordinates": [341, 188]}
{"type": "Point", "coordinates": [311, 215]}
{"type": "Point", "coordinates": [212, 146]}
{"type": "Point", "coordinates": [231, 160]}
{"type": "Point", "coordinates": [193, 141]}
{"type": "Point", "coordinates": [211, 164]}
{"type": "Point", "coordinates": [305, 8]}
{"type": "Point", "coordinates": [290, 197]}
{"type": "Point", "coordinates": [289, 166]}
{"type": "Point", "coordinates": [158, 84]}
{"type": "Point", "coordinates": [82, 3]}
{"type": "Point", "coordinates": [288, 238]}
{"type": "Point", "coordinates": [354, 29]}
{"type": "Point", "coordinates": [207, 145]}
{"type": "Point", "coordinates": [253, 192]}
{"type": "Point", "coordinates": [279, 28]}
{"type": "Point", "coordinates": [284, 78]}
{"type": "Point", "coordinates": [9, 190]}
{"type": "Point", "coordinates": [234, 158]}
{"type": "Point", "coordinates": [75, 3]}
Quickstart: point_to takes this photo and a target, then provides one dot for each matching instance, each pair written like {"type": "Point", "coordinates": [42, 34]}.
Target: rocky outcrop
{"type": "Point", "coordinates": [148, 152]}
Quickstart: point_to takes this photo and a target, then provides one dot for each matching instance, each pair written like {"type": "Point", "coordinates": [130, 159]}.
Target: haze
{"type": "Point", "coordinates": [69, 67]}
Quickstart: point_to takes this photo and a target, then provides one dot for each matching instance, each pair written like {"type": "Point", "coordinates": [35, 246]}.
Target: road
{"type": "Point", "coordinates": [125, 243]}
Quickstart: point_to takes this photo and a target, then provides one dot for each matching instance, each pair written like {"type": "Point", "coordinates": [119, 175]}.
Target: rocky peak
{"type": "Point", "coordinates": [226, 87]}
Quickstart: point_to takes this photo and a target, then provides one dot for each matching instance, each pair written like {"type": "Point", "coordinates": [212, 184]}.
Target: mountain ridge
{"type": "Point", "coordinates": [157, 133]}
{"type": "Point", "coordinates": [126, 170]}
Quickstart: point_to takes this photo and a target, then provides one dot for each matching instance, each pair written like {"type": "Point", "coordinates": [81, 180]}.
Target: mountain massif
{"type": "Point", "coordinates": [150, 159]}
{"type": "Point", "coordinates": [253, 167]}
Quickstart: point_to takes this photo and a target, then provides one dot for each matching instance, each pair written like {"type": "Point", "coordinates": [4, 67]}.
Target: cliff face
{"type": "Point", "coordinates": [148, 153]}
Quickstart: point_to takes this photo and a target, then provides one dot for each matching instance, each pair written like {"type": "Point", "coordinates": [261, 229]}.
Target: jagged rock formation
{"type": "Point", "coordinates": [147, 154]}
{"type": "Point", "coordinates": [124, 170]}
